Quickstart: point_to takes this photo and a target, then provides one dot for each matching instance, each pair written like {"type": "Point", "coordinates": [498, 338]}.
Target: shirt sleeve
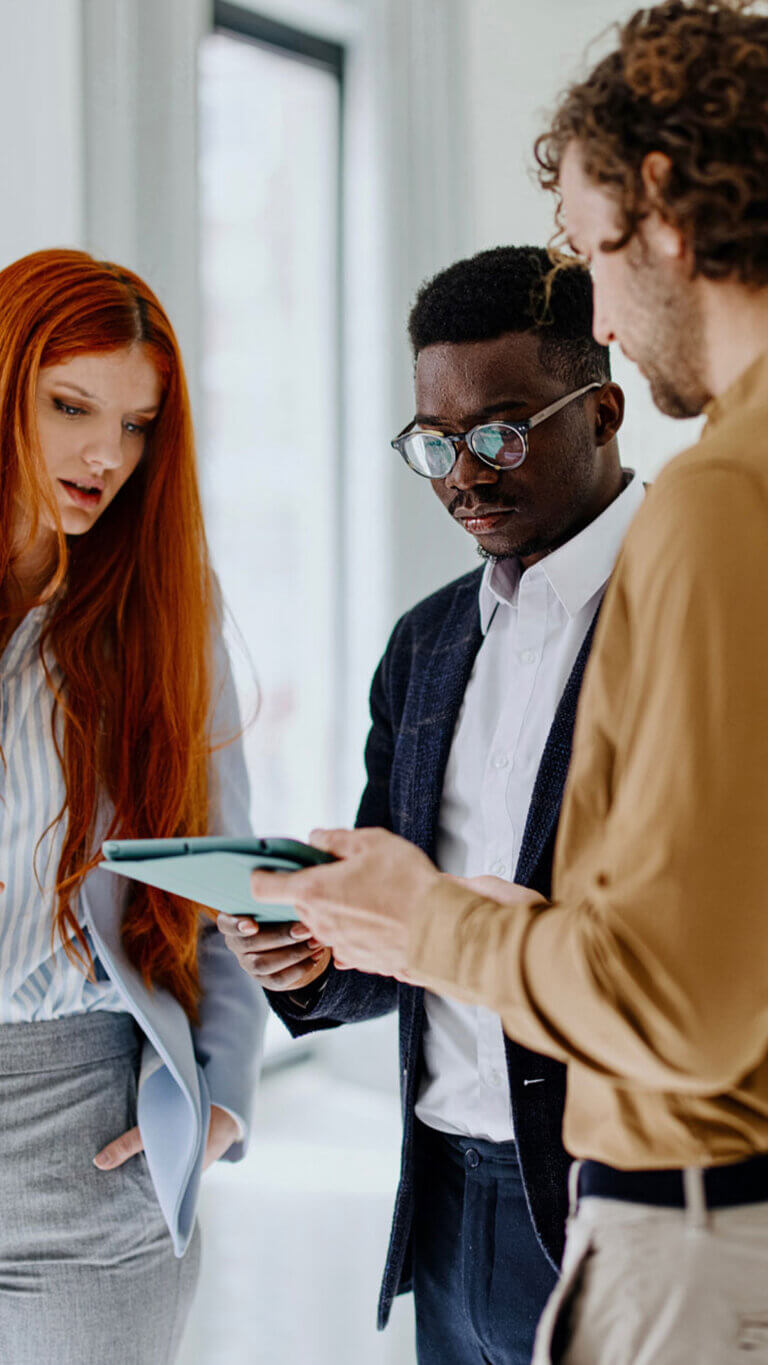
{"type": "Point", "coordinates": [649, 966]}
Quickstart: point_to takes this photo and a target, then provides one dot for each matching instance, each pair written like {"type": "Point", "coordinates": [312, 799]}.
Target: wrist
{"type": "Point", "coordinates": [308, 993]}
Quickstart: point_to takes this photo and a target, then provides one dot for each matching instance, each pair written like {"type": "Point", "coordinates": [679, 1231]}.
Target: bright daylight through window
{"type": "Point", "coordinates": [269, 168]}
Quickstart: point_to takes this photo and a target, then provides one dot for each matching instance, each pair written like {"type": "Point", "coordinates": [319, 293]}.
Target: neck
{"type": "Point", "coordinates": [735, 331]}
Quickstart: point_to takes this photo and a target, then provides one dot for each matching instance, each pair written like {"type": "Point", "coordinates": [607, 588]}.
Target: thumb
{"type": "Point", "coordinates": [117, 1152]}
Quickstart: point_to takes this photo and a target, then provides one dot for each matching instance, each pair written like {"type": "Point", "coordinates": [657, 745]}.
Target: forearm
{"type": "Point", "coordinates": [569, 983]}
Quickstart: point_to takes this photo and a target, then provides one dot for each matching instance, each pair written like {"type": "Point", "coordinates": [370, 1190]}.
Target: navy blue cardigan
{"type": "Point", "coordinates": [415, 700]}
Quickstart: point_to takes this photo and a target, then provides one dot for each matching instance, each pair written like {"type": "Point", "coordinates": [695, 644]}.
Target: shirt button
{"type": "Point", "coordinates": [500, 760]}
{"type": "Point", "coordinates": [472, 1158]}
{"type": "Point", "coordinates": [529, 656]}
{"type": "Point", "coordinates": [499, 868]}
{"type": "Point", "coordinates": [495, 1079]}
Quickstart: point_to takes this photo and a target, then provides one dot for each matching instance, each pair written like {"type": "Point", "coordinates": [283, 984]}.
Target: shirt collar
{"type": "Point", "coordinates": [576, 570]}
{"type": "Point", "coordinates": [751, 387]}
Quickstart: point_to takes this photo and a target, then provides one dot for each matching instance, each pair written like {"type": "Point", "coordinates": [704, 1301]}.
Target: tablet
{"type": "Point", "coordinates": [212, 871]}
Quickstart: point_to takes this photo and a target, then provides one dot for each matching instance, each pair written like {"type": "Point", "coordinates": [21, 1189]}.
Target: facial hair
{"type": "Point", "coordinates": [668, 331]}
{"type": "Point", "coordinates": [533, 547]}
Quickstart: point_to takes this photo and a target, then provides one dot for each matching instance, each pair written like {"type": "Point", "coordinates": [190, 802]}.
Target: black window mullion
{"type": "Point", "coordinates": [246, 23]}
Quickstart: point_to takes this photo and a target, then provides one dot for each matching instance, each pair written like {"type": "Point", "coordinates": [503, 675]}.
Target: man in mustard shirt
{"type": "Point", "coordinates": [647, 974]}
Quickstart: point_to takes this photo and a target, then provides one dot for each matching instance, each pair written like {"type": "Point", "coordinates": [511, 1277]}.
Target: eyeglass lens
{"type": "Point", "coordinates": [433, 455]}
{"type": "Point", "coordinates": [429, 454]}
{"type": "Point", "coordinates": [500, 443]}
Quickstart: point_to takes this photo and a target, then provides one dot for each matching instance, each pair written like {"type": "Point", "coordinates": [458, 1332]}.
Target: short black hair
{"type": "Point", "coordinates": [505, 290]}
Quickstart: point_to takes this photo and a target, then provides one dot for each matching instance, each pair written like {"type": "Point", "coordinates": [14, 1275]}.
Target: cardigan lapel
{"type": "Point", "coordinates": [444, 683]}
{"type": "Point", "coordinates": [544, 810]}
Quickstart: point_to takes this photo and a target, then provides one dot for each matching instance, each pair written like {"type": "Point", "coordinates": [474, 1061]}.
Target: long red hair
{"type": "Point", "coordinates": [132, 622]}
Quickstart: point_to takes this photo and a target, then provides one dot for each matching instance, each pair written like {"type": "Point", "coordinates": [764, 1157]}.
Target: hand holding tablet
{"type": "Point", "coordinates": [212, 871]}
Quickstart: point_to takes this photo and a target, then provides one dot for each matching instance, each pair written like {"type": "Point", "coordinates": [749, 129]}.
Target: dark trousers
{"type": "Point", "coordinates": [481, 1280]}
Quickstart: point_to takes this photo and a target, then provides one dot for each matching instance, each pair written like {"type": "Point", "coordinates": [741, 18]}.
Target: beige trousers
{"type": "Point", "coordinates": [655, 1286]}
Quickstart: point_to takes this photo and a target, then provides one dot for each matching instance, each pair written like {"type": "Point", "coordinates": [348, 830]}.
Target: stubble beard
{"type": "Point", "coordinates": [533, 547]}
{"type": "Point", "coordinates": [680, 396]}
{"type": "Point", "coordinates": [672, 357]}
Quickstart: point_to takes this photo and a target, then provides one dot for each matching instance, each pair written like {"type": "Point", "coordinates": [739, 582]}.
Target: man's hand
{"type": "Point", "coordinates": [362, 905]}
{"type": "Point", "coordinates": [281, 957]}
{"type": "Point", "coordinates": [222, 1132]}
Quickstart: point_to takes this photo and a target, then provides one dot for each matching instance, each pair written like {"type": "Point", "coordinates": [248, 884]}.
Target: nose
{"type": "Point", "coordinates": [468, 471]}
{"type": "Point", "coordinates": [602, 329]}
{"type": "Point", "coordinates": [105, 450]}
{"type": "Point", "coordinates": [602, 332]}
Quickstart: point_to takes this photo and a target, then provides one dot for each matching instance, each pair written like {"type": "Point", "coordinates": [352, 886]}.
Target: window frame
{"type": "Point", "coordinates": [242, 22]}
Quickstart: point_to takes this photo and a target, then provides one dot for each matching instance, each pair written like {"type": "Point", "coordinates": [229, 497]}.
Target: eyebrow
{"type": "Point", "coordinates": [504, 405]}
{"type": "Point", "coordinates": [67, 384]}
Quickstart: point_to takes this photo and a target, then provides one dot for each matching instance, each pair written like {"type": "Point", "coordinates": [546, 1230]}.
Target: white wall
{"type": "Point", "coordinates": [519, 56]}
{"type": "Point", "coordinates": [139, 92]}
{"type": "Point", "coordinates": [41, 118]}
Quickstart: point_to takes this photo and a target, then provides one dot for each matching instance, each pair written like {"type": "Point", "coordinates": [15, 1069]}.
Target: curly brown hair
{"type": "Point", "coordinates": [689, 78]}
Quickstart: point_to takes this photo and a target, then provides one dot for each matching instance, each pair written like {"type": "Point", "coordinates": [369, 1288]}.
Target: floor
{"type": "Point", "coordinates": [294, 1237]}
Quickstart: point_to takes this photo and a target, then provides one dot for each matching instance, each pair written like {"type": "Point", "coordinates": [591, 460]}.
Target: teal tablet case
{"type": "Point", "coordinates": [212, 871]}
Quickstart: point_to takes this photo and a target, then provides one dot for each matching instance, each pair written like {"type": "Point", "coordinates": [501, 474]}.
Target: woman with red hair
{"type": "Point", "coordinates": [128, 1034]}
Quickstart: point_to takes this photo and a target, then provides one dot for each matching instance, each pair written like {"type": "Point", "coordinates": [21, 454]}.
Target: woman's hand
{"type": "Point", "coordinates": [222, 1132]}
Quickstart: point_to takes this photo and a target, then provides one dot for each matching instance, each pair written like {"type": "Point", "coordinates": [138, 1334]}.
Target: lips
{"type": "Point", "coordinates": [481, 520]}
{"type": "Point", "coordinates": [82, 493]}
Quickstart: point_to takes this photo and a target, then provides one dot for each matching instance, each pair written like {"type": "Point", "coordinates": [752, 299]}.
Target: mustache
{"type": "Point", "coordinates": [462, 503]}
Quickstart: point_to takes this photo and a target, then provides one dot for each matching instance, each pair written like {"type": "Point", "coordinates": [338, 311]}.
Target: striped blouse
{"type": "Point", "coordinates": [37, 980]}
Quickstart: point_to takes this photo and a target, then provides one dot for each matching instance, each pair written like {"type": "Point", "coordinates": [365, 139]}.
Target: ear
{"type": "Point", "coordinates": [660, 235]}
{"type": "Point", "coordinates": [609, 413]}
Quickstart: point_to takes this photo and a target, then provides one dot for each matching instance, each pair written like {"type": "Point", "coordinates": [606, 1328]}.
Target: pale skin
{"type": "Point", "coordinates": [93, 413]}
{"type": "Point", "coordinates": [363, 906]}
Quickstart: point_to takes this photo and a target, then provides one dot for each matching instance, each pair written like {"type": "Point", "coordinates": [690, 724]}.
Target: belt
{"type": "Point", "coordinates": [743, 1182]}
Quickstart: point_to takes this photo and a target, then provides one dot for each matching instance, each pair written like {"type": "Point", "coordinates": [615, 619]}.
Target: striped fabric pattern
{"type": "Point", "coordinates": [37, 981]}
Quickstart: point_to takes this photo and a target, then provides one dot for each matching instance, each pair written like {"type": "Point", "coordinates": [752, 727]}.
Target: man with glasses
{"type": "Point", "coordinates": [473, 708]}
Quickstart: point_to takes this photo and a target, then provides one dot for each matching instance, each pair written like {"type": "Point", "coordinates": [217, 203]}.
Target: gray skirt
{"type": "Point", "coordinates": [87, 1268]}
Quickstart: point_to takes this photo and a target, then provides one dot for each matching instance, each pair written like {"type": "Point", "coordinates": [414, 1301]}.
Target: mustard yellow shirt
{"type": "Point", "coordinates": [648, 973]}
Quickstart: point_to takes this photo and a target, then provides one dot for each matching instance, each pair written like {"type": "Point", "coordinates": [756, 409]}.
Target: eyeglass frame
{"type": "Point", "coordinates": [520, 428]}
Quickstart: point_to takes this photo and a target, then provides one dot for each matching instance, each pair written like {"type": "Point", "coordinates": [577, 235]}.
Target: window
{"type": "Point", "coordinates": [311, 1203]}
{"type": "Point", "coordinates": [270, 127]}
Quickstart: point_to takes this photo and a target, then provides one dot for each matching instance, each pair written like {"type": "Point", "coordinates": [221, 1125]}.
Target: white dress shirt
{"type": "Point", "coordinates": [534, 625]}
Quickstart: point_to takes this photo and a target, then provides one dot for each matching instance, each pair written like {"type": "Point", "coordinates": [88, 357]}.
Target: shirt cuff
{"type": "Point", "coordinates": [306, 997]}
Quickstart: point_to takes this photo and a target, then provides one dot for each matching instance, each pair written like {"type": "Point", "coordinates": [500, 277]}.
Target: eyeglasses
{"type": "Point", "coordinates": [502, 445]}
